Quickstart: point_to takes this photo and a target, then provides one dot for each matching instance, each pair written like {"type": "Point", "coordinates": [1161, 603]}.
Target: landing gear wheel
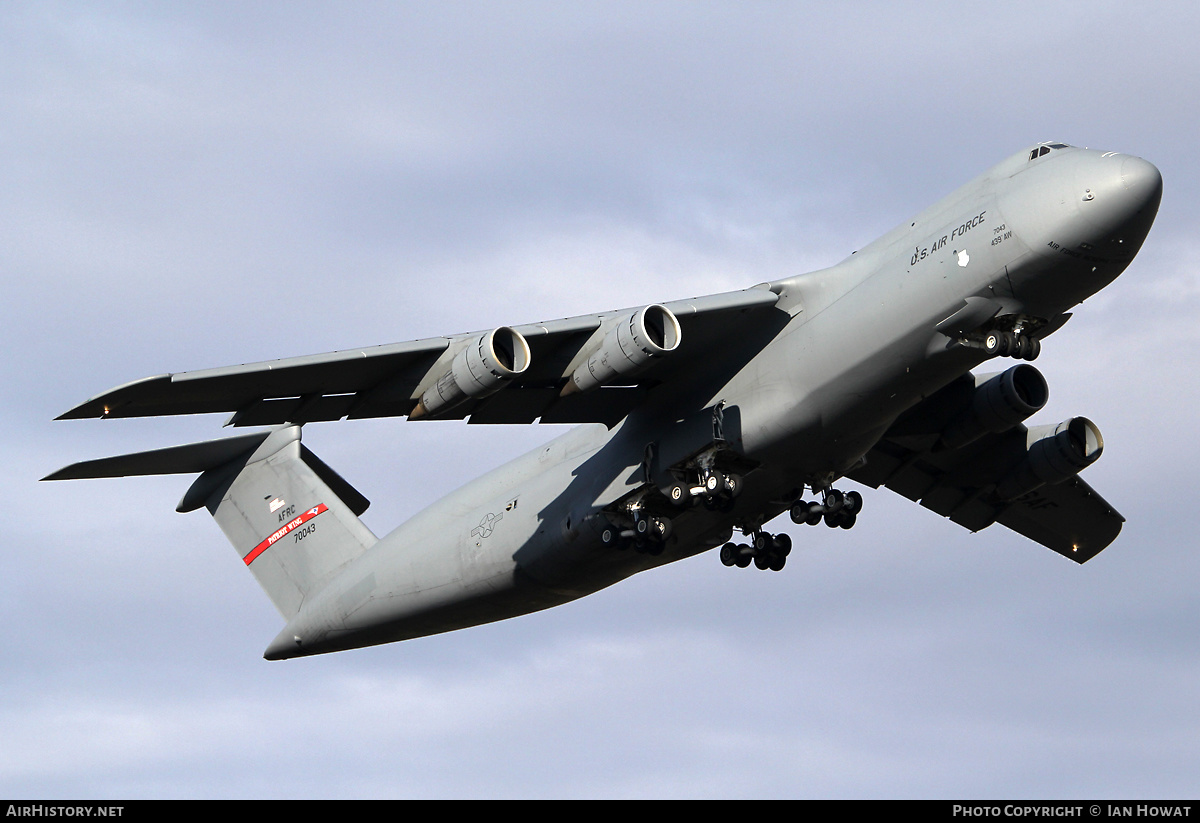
{"type": "Point", "coordinates": [611, 537]}
{"type": "Point", "coordinates": [714, 482]}
{"type": "Point", "coordinates": [660, 528]}
{"type": "Point", "coordinates": [729, 554]}
{"type": "Point", "coordinates": [992, 343]}
{"type": "Point", "coordinates": [679, 494]}
{"type": "Point", "coordinates": [854, 502]}
{"type": "Point", "coordinates": [1008, 344]}
{"type": "Point", "coordinates": [1034, 348]}
{"type": "Point", "coordinates": [777, 563]}
{"type": "Point", "coordinates": [783, 545]}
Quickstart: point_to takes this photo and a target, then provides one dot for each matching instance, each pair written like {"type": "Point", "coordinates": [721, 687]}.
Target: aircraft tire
{"type": "Point", "coordinates": [782, 545]}
{"type": "Point", "coordinates": [854, 502]}
{"type": "Point", "coordinates": [799, 513]}
{"type": "Point", "coordinates": [777, 563]}
{"type": "Point", "coordinates": [660, 528]}
{"type": "Point", "coordinates": [1008, 346]}
{"type": "Point", "coordinates": [729, 554]}
{"type": "Point", "coordinates": [714, 482]}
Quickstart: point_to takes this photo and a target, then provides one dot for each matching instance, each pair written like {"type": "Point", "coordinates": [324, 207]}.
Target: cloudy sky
{"type": "Point", "coordinates": [192, 185]}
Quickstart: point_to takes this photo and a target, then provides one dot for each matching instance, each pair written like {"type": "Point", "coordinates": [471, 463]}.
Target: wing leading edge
{"type": "Point", "coordinates": [388, 380]}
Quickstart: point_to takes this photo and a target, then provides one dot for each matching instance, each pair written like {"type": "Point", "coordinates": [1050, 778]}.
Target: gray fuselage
{"type": "Point", "coordinates": [805, 397]}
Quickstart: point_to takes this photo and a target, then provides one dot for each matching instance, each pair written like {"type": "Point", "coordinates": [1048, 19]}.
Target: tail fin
{"type": "Point", "coordinates": [292, 519]}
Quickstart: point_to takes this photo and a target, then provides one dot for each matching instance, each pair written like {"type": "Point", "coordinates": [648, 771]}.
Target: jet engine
{"type": "Point", "coordinates": [482, 367]}
{"type": "Point", "coordinates": [1055, 454]}
{"type": "Point", "coordinates": [1000, 402]}
{"type": "Point", "coordinates": [647, 333]}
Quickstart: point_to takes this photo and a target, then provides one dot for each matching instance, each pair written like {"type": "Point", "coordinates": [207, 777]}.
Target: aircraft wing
{"type": "Point", "coordinates": [962, 484]}
{"type": "Point", "coordinates": [386, 381]}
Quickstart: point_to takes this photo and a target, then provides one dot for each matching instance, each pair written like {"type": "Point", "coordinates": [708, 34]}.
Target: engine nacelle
{"type": "Point", "coordinates": [647, 333]}
{"type": "Point", "coordinates": [1056, 453]}
{"type": "Point", "coordinates": [479, 369]}
{"type": "Point", "coordinates": [999, 403]}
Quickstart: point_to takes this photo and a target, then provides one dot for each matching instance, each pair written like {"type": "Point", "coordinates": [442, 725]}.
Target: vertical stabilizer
{"type": "Point", "coordinates": [282, 516]}
{"type": "Point", "coordinates": [293, 519]}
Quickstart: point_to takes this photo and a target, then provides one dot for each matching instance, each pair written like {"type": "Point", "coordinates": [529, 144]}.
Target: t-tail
{"type": "Point", "coordinates": [292, 519]}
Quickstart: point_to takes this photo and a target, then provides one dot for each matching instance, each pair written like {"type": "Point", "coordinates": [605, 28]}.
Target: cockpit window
{"type": "Point", "coordinates": [1044, 149]}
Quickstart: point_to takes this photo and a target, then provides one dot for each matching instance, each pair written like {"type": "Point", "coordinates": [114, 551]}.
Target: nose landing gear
{"type": "Point", "coordinates": [1012, 344]}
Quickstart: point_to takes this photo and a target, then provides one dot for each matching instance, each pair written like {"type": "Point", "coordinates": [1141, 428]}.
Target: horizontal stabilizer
{"type": "Point", "coordinates": [190, 459]}
{"type": "Point", "coordinates": [292, 519]}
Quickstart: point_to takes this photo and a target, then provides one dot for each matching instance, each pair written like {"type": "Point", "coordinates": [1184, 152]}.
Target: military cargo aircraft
{"type": "Point", "coordinates": [705, 418]}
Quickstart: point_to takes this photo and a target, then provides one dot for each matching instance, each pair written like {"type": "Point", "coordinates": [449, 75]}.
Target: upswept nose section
{"type": "Point", "coordinates": [1143, 181]}
{"type": "Point", "coordinates": [1120, 199]}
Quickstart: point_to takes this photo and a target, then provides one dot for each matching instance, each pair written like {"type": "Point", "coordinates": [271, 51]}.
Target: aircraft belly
{"type": "Point", "coordinates": [463, 562]}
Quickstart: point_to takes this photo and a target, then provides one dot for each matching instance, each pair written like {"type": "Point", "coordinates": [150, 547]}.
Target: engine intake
{"type": "Point", "coordinates": [479, 369]}
{"type": "Point", "coordinates": [648, 333]}
{"type": "Point", "coordinates": [1056, 453]}
{"type": "Point", "coordinates": [1000, 402]}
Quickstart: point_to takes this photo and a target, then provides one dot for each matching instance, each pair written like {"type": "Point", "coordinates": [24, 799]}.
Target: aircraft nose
{"type": "Point", "coordinates": [1143, 182]}
{"type": "Point", "coordinates": [1121, 199]}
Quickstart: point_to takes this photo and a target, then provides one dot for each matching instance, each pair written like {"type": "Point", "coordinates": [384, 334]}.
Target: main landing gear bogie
{"type": "Point", "coordinates": [1012, 344]}
{"type": "Point", "coordinates": [715, 490]}
{"type": "Point", "coordinates": [839, 510]}
{"type": "Point", "coordinates": [648, 536]}
{"type": "Point", "coordinates": [765, 551]}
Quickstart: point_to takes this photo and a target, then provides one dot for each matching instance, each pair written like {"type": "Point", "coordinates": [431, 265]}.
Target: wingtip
{"type": "Point", "coordinates": [103, 405]}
